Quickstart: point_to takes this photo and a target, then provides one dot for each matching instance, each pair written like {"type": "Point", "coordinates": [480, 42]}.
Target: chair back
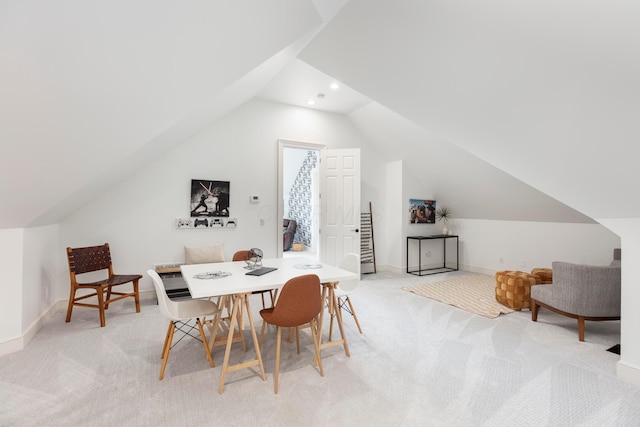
{"type": "Point", "coordinates": [168, 308]}
{"type": "Point", "coordinates": [88, 259]}
{"type": "Point", "coordinates": [242, 255]}
{"type": "Point", "coordinates": [300, 301]}
{"type": "Point", "coordinates": [350, 262]}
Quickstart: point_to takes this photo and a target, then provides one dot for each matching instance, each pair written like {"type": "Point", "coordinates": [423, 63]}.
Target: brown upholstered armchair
{"type": "Point", "coordinates": [289, 231]}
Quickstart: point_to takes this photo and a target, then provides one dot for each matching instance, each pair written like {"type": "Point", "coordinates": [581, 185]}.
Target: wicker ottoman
{"type": "Point", "coordinates": [545, 275]}
{"type": "Point", "coordinates": [513, 288]}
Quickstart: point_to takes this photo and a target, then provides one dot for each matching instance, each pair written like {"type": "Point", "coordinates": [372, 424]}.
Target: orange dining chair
{"type": "Point", "coordinates": [91, 259]}
{"type": "Point", "coordinates": [244, 255]}
{"type": "Point", "coordinates": [299, 303]}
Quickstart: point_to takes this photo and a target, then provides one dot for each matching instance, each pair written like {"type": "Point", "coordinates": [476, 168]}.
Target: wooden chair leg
{"type": "Point", "coordinates": [298, 339]}
{"type": "Point", "coordinates": [101, 305]}
{"type": "Point", "coordinates": [106, 303]}
{"type": "Point", "coordinates": [166, 340]}
{"type": "Point", "coordinates": [72, 297]}
{"type": "Point", "coordinates": [137, 296]}
{"type": "Point", "coordinates": [277, 373]}
{"type": "Point", "coordinates": [272, 298]}
{"type": "Point", "coordinates": [167, 349]}
{"type": "Point", "coordinates": [534, 310]}
{"type": "Point", "coordinates": [353, 313]}
{"type": "Point", "coordinates": [206, 346]}
{"type": "Point", "coordinates": [581, 328]}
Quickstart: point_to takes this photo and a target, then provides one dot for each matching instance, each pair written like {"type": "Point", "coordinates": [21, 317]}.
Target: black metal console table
{"type": "Point", "coordinates": [433, 270]}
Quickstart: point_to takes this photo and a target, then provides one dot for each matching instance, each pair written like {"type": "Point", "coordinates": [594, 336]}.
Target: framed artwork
{"type": "Point", "coordinates": [422, 211]}
{"type": "Point", "coordinates": [209, 198]}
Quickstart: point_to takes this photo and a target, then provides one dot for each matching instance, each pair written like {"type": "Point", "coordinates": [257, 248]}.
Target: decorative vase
{"type": "Point", "coordinates": [445, 230]}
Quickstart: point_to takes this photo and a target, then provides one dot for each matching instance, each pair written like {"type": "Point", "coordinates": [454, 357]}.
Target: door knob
{"type": "Point", "coordinates": [356, 230]}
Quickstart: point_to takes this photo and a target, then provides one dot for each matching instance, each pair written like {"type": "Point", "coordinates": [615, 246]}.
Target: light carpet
{"type": "Point", "coordinates": [475, 294]}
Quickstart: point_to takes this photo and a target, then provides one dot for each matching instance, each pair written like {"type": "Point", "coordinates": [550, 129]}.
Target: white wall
{"type": "Point", "coordinates": [488, 246]}
{"type": "Point", "coordinates": [137, 217]}
{"type": "Point", "coordinates": [629, 365]}
{"type": "Point", "coordinates": [11, 250]}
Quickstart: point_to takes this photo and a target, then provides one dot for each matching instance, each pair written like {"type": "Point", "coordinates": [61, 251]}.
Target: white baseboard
{"type": "Point", "coordinates": [51, 314]}
{"type": "Point", "coordinates": [468, 268]}
{"type": "Point", "coordinates": [628, 372]}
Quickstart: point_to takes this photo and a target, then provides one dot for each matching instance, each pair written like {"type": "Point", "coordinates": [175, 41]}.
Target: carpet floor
{"type": "Point", "coordinates": [419, 362]}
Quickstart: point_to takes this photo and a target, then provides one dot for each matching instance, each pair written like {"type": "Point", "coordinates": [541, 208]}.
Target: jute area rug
{"type": "Point", "coordinates": [475, 294]}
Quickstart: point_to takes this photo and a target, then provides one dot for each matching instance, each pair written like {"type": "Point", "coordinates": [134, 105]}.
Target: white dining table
{"type": "Point", "coordinates": [229, 280]}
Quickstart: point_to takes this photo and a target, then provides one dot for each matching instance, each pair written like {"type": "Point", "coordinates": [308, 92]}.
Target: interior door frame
{"type": "Point", "coordinates": [282, 144]}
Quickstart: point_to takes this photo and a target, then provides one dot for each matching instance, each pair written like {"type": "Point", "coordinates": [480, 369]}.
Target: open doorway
{"type": "Point", "coordinates": [298, 195]}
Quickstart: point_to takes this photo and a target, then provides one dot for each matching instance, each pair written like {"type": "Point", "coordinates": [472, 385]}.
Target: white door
{"type": "Point", "coordinates": [339, 204]}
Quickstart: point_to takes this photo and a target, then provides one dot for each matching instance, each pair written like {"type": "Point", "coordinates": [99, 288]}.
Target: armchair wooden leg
{"type": "Point", "coordinates": [534, 310]}
{"type": "Point", "coordinates": [581, 328]}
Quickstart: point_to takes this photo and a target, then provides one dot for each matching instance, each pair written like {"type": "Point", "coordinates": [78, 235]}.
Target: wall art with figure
{"type": "Point", "coordinates": [209, 198]}
{"type": "Point", "coordinates": [422, 211]}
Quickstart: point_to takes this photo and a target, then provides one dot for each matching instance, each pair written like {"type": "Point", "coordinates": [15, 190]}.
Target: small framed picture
{"type": "Point", "coordinates": [422, 211]}
{"type": "Point", "coordinates": [209, 198]}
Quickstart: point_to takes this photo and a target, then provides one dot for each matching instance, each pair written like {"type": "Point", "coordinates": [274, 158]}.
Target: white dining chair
{"type": "Point", "coordinates": [350, 262]}
{"type": "Point", "coordinates": [179, 314]}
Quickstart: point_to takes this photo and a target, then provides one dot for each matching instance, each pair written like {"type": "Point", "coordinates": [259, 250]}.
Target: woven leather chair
{"type": "Point", "coordinates": [97, 258]}
{"type": "Point", "coordinates": [299, 303]}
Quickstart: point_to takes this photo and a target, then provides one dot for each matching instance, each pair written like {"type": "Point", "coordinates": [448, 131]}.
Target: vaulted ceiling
{"type": "Point", "coordinates": [537, 101]}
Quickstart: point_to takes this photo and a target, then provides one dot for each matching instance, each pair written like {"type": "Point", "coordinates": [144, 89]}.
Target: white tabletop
{"type": "Point", "coordinates": [238, 282]}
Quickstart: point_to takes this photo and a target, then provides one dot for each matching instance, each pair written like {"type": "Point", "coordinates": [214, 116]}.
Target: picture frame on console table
{"type": "Point", "coordinates": [422, 211]}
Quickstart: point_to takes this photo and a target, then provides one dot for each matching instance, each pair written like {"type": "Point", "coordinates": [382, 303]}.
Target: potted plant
{"type": "Point", "coordinates": [443, 214]}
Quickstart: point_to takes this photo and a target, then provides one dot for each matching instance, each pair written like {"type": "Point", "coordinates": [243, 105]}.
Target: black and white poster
{"type": "Point", "coordinates": [209, 198]}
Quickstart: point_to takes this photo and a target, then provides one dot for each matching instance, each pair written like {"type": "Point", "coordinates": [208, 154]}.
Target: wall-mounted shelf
{"type": "Point", "coordinates": [204, 223]}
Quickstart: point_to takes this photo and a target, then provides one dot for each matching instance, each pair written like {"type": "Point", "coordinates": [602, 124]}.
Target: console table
{"type": "Point", "coordinates": [433, 270]}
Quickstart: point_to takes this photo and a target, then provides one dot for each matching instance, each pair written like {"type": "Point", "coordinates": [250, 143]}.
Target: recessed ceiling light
{"type": "Point", "coordinates": [334, 86]}
{"type": "Point", "coordinates": [311, 102]}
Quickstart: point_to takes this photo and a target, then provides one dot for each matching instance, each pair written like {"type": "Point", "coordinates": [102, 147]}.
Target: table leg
{"type": "Point", "coordinates": [240, 301]}
{"type": "Point", "coordinates": [332, 307]}
{"type": "Point", "coordinates": [325, 287]}
{"type": "Point", "coordinates": [218, 325]}
{"type": "Point", "coordinates": [227, 352]}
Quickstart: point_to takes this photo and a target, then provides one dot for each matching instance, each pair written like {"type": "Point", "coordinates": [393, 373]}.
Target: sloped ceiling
{"type": "Point", "coordinates": [546, 91]}
{"type": "Point", "coordinates": [92, 90]}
